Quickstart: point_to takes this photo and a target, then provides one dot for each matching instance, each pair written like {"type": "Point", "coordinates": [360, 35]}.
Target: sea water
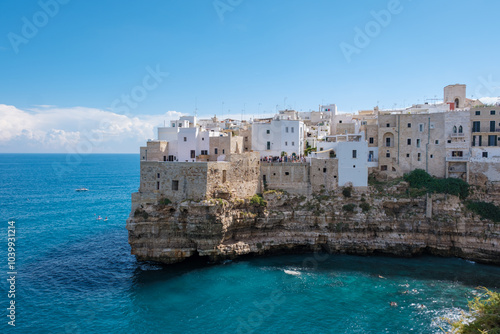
{"type": "Point", "coordinates": [75, 273]}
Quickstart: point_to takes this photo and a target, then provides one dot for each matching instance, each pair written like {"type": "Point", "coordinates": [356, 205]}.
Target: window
{"type": "Point", "coordinates": [223, 151]}
{"type": "Point", "coordinates": [492, 126]}
{"type": "Point", "coordinates": [292, 129]}
{"type": "Point", "coordinates": [293, 143]}
{"type": "Point", "coordinates": [180, 125]}
{"type": "Point", "coordinates": [408, 141]}
{"type": "Point", "coordinates": [340, 121]}
{"type": "Point", "coordinates": [457, 154]}
{"type": "Point", "coordinates": [203, 138]}
{"type": "Point", "coordinates": [407, 155]}
{"type": "Point", "coordinates": [193, 154]}
{"type": "Point", "coordinates": [364, 122]}
{"type": "Point", "coordinates": [185, 138]}
{"type": "Point", "coordinates": [476, 126]}
{"type": "Point", "coordinates": [419, 156]}
{"type": "Point", "coordinates": [421, 127]}
{"type": "Point", "coordinates": [388, 125]}
{"type": "Point", "coordinates": [431, 125]}
{"type": "Point", "coordinates": [370, 156]}
{"type": "Point", "coordinates": [353, 166]}
{"type": "Point", "coordinates": [246, 138]}
{"type": "Point", "coordinates": [287, 173]}
{"type": "Point", "coordinates": [388, 142]}
{"type": "Point", "coordinates": [175, 185]}
{"type": "Point", "coordinates": [216, 151]}
{"type": "Point", "coordinates": [473, 140]}
{"type": "Point", "coordinates": [418, 142]}
{"type": "Point", "coordinates": [158, 185]}
{"type": "Point", "coordinates": [437, 142]}
{"type": "Point", "coordinates": [485, 154]}
{"type": "Point", "coordinates": [158, 175]}
{"type": "Point", "coordinates": [324, 170]}
{"type": "Point", "coordinates": [480, 140]}
{"type": "Point", "coordinates": [492, 140]}
{"type": "Point", "coordinates": [492, 112]}
{"type": "Point", "coordinates": [268, 145]}
{"type": "Point", "coordinates": [164, 158]}
{"type": "Point", "coordinates": [383, 167]}
{"type": "Point", "coordinates": [460, 129]}
{"type": "Point", "coordinates": [371, 140]}
{"type": "Point", "coordinates": [478, 113]}
{"type": "Point", "coordinates": [286, 143]}
{"type": "Point", "coordinates": [432, 156]}
{"type": "Point", "coordinates": [354, 154]}
{"type": "Point", "coordinates": [454, 129]}
{"type": "Point", "coordinates": [204, 152]}
{"type": "Point", "coordinates": [388, 155]}
{"type": "Point", "coordinates": [457, 103]}
{"type": "Point", "coordinates": [268, 131]}
{"type": "Point", "coordinates": [286, 129]}
{"type": "Point", "coordinates": [170, 158]}
{"type": "Point", "coordinates": [409, 125]}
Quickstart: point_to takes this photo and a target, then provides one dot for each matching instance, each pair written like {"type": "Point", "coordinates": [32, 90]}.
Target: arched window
{"type": "Point", "coordinates": [456, 103]}
{"type": "Point", "coordinates": [460, 129]}
{"type": "Point", "coordinates": [454, 129]}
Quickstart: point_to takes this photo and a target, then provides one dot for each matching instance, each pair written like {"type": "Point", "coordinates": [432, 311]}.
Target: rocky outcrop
{"type": "Point", "coordinates": [390, 223]}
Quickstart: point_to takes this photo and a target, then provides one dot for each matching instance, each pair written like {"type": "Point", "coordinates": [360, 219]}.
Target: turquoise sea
{"type": "Point", "coordinates": [75, 273]}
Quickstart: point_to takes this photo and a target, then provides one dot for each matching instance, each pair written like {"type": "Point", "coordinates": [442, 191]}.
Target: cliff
{"type": "Point", "coordinates": [388, 222]}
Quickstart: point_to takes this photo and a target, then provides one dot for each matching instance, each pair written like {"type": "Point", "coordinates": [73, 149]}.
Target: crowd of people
{"type": "Point", "coordinates": [285, 158]}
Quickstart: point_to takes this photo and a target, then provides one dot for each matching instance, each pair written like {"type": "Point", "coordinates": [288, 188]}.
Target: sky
{"type": "Point", "coordinates": [98, 77]}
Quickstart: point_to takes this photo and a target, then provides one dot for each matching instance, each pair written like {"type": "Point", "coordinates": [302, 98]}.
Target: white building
{"type": "Point", "coordinates": [277, 136]}
{"type": "Point", "coordinates": [353, 157]}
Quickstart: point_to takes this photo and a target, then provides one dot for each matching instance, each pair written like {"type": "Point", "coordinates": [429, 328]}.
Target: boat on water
{"type": "Point", "coordinates": [81, 189]}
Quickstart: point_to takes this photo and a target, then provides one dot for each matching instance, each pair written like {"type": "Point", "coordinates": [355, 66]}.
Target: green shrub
{"type": "Point", "coordinates": [484, 315]}
{"type": "Point", "coordinates": [347, 192]}
{"type": "Point", "coordinates": [257, 200]}
{"type": "Point", "coordinates": [165, 201]}
{"type": "Point", "coordinates": [259, 245]}
{"type": "Point", "coordinates": [420, 179]}
{"type": "Point", "coordinates": [349, 207]}
{"type": "Point", "coordinates": [145, 215]}
{"type": "Point", "coordinates": [485, 210]}
{"type": "Point", "coordinates": [365, 207]}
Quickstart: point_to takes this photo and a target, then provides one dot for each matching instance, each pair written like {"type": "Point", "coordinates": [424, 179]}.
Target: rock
{"type": "Point", "coordinates": [220, 229]}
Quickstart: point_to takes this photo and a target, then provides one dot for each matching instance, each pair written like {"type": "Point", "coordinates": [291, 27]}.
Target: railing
{"type": "Point", "coordinates": [457, 135]}
{"type": "Point", "coordinates": [464, 158]}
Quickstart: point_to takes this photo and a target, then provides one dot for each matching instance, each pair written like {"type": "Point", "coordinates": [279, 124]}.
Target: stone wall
{"type": "Point", "coordinates": [324, 174]}
{"type": "Point", "coordinates": [176, 181]}
{"type": "Point", "coordinates": [238, 177]}
{"type": "Point", "coordinates": [291, 177]}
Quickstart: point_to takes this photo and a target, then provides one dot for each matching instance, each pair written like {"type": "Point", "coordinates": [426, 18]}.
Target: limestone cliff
{"type": "Point", "coordinates": [390, 223]}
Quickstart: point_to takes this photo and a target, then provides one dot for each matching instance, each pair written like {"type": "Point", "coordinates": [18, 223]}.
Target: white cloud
{"type": "Point", "coordinates": [48, 129]}
{"type": "Point", "coordinates": [490, 100]}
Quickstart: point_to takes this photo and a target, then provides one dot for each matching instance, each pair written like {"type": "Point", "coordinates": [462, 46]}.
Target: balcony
{"type": "Point", "coordinates": [457, 159]}
{"type": "Point", "coordinates": [457, 135]}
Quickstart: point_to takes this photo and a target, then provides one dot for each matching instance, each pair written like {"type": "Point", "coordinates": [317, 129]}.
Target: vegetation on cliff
{"type": "Point", "coordinates": [420, 179]}
{"type": "Point", "coordinates": [484, 315]}
{"type": "Point", "coordinates": [485, 210]}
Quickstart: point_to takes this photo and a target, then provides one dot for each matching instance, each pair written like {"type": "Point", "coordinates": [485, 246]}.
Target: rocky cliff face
{"type": "Point", "coordinates": [220, 229]}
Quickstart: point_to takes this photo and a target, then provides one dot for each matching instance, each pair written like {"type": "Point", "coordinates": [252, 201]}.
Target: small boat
{"type": "Point", "coordinates": [81, 189]}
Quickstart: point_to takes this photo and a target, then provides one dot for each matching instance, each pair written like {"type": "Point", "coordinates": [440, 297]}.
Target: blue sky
{"type": "Point", "coordinates": [253, 55]}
